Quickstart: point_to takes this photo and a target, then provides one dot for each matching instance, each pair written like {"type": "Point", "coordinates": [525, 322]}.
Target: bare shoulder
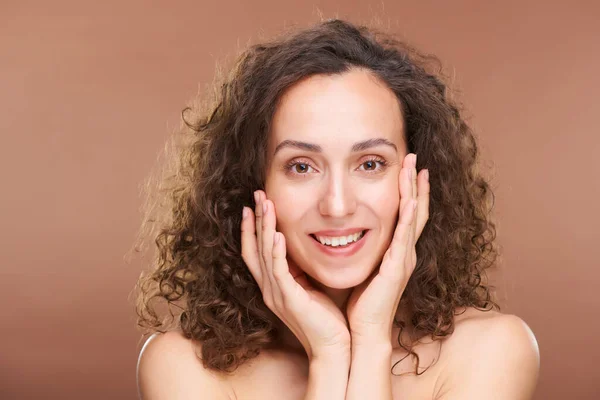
{"type": "Point", "coordinates": [490, 352]}
{"type": "Point", "coordinates": [169, 368]}
{"type": "Point", "coordinates": [475, 328]}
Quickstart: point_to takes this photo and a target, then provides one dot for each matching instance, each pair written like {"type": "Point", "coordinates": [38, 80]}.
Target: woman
{"type": "Point", "coordinates": [357, 269]}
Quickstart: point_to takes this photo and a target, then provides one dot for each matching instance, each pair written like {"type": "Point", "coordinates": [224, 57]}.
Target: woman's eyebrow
{"type": "Point", "coordinates": [315, 148]}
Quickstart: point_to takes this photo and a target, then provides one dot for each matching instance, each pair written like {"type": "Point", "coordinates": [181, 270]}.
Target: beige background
{"type": "Point", "coordinates": [88, 93]}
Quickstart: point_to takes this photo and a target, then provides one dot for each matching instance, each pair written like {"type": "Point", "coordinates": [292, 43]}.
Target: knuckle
{"type": "Point", "coordinates": [264, 258]}
{"type": "Point", "coordinates": [268, 300]}
{"type": "Point", "coordinates": [266, 254]}
{"type": "Point", "coordinates": [278, 274]}
{"type": "Point", "coordinates": [246, 256]}
{"type": "Point", "coordinates": [400, 243]}
{"type": "Point", "coordinates": [278, 304]}
{"type": "Point", "coordinates": [288, 303]}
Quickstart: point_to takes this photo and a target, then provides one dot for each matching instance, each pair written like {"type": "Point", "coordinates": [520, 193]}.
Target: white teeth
{"type": "Point", "coordinates": [339, 241]}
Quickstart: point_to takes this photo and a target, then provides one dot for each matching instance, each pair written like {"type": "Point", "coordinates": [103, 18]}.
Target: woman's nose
{"type": "Point", "coordinates": [338, 198]}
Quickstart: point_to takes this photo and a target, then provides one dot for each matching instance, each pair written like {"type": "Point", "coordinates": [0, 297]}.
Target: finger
{"type": "Point", "coordinates": [258, 218]}
{"type": "Point", "coordinates": [410, 257]}
{"type": "Point", "coordinates": [288, 286]}
{"type": "Point", "coordinates": [413, 230]}
{"type": "Point", "coordinates": [423, 202]}
{"type": "Point", "coordinates": [405, 185]}
{"type": "Point", "coordinates": [249, 246]}
{"type": "Point", "coordinates": [269, 224]}
{"type": "Point", "coordinates": [268, 230]}
{"type": "Point", "coordinates": [299, 275]}
{"type": "Point", "coordinates": [414, 175]}
{"type": "Point", "coordinates": [266, 283]}
{"type": "Point", "coordinates": [396, 253]}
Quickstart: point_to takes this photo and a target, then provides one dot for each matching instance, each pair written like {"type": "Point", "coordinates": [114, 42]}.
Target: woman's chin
{"type": "Point", "coordinates": [346, 279]}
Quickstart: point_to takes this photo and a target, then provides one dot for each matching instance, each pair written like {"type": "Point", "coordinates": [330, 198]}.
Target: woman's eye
{"type": "Point", "coordinates": [297, 168]}
{"type": "Point", "coordinates": [371, 165]}
{"type": "Point", "coordinates": [301, 167]}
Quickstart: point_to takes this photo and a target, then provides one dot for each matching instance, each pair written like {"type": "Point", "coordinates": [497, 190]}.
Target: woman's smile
{"type": "Point", "coordinates": [336, 249]}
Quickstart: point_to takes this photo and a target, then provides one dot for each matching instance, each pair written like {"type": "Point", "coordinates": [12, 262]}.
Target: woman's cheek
{"type": "Point", "coordinates": [384, 198]}
{"type": "Point", "coordinates": [384, 203]}
{"type": "Point", "coordinates": [285, 215]}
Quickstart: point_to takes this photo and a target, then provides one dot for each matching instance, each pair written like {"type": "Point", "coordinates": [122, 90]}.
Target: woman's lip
{"type": "Point", "coordinates": [344, 251]}
{"type": "Point", "coordinates": [314, 235]}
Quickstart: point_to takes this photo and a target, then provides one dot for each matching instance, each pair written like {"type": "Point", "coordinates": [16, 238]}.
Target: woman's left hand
{"type": "Point", "coordinates": [372, 305]}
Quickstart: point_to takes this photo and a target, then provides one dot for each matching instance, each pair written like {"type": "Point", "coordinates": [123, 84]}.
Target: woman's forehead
{"type": "Point", "coordinates": [339, 110]}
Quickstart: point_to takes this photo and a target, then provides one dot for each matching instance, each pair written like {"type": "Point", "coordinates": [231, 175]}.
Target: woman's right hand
{"type": "Point", "coordinates": [310, 314]}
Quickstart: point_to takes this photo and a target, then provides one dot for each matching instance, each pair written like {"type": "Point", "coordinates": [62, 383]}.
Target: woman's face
{"type": "Point", "coordinates": [339, 181]}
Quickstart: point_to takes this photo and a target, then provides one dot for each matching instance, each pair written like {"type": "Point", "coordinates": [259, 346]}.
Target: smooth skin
{"type": "Point", "coordinates": [313, 317]}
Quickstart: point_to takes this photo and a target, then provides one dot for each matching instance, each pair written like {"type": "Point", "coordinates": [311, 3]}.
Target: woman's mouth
{"type": "Point", "coordinates": [335, 247]}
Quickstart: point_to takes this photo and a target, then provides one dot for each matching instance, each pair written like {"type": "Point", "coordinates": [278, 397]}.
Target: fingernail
{"type": "Point", "coordinates": [256, 196]}
{"type": "Point", "coordinates": [275, 238]}
{"type": "Point", "coordinates": [264, 208]}
{"type": "Point", "coordinates": [426, 173]}
{"type": "Point", "coordinates": [410, 173]}
{"type": "Point", "coordinates": [244, 213]}
{"type": "Point", "coordinates": [415, 160]}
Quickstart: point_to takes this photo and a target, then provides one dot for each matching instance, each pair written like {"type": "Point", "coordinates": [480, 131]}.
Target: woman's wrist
{"type": "Point", "coordinates": [378, 340]}
{"type": "Point", "coordinates": [373, 350]}
{"type": "Point", "coordinates": [342, 354]}
{"type": "Point", "coordinates": [328, 377]}
{"type": "Point", "coordinates": [370, 371]}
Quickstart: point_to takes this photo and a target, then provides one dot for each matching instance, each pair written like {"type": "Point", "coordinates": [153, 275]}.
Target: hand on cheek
{"type": "Point", "coordinates": [311, 316]}
{"type": "Point", "coordinates": [372, 305]}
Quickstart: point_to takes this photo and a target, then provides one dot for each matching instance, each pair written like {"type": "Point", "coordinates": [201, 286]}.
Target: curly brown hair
{"type": "Point", "coordinates": [215, 163]}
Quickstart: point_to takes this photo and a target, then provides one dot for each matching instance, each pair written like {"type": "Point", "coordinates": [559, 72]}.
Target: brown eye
{"type": "Point", "coordinates": [301, 168]}
{"type": "Point", "coordinates": [297, 168]}
{"type": "Point", "coordinates": [370, 165]}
